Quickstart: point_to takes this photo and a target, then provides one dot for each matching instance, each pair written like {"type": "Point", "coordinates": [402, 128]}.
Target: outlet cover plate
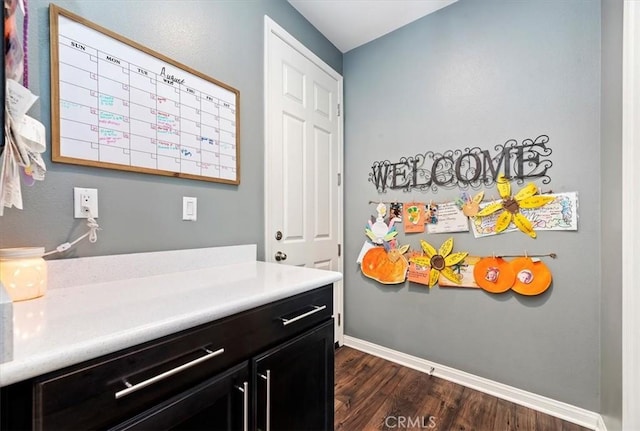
{"type": "Point", "coordinates": [88, 197]}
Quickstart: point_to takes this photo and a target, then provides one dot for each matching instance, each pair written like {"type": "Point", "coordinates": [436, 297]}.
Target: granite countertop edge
{"type": "Point", "coordinates": [214, 293]}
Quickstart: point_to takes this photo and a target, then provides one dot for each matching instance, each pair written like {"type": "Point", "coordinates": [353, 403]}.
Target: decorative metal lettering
{"type": "Point", "coordinates": [468, 168]}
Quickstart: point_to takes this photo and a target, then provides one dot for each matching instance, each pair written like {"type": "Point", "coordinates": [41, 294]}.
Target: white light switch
{"type": "Point", "coordinates": [189, 208]}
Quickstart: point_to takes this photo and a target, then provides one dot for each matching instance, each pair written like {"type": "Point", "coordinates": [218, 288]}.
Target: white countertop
{"type": "Point", "coordinates": [73, 324]}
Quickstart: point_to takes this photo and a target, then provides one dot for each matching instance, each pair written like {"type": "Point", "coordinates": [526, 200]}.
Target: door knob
{"type": "Point", "coordinates": [280, 256]}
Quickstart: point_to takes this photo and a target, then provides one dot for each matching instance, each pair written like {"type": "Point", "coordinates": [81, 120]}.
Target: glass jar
{"type": "Point", "coordinates": [23, 272]}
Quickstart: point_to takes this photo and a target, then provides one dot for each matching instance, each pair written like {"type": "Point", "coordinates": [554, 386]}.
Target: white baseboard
{"type": "Point", "coordinates": [564, 411]}
{"type": "Point", "coordinates": [600, 426]}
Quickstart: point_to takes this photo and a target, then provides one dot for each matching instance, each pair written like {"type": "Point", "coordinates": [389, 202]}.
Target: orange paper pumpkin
{"type": "Point", "coordinates": [532, 278]}
{"type": "Point", "coordinates": [386, 267]}
{"type": "Point", "coordinates": [494, 274]}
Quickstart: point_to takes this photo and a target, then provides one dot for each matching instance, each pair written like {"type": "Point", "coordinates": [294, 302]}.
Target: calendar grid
{"type": "Point", "coordinates": [124, 107]}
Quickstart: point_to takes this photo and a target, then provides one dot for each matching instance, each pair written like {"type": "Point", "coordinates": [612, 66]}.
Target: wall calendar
{"type": "Point", "coordinates": [117, 104]}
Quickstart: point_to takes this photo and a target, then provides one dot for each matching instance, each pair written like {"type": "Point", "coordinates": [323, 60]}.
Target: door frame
{"type": "Point", "coordinates": [272, 28]}
{"type": "Point", "coordinates": [630, 216]}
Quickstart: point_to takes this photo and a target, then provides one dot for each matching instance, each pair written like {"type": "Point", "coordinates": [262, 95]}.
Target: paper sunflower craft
{"type": "Point", "coordinates": [440, 261]}
{"type": "Point", "coordinates": [510, 205]}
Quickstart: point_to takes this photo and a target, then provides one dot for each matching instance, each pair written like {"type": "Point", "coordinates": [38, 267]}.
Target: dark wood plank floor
{"type": "Point", "coordinates": [376, 394]}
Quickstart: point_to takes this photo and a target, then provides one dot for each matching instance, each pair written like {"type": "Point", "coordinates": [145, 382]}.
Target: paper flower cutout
{"type": "Point", "coordinates": [526, 198]}
{"type": "Point", "coordinates": [440, 261]}
{"type": "Point", "coordinates": [379, 232]}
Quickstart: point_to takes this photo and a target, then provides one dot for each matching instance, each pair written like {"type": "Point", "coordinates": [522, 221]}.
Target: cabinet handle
{"type": "Point", "coordinates": [133, 388]}
{"type": "Point", "coordinates": [267, 377]}
{"type": "Point", "coordinates": [316, 308]}
{"type": "Point", "coordinates": [245, 405]}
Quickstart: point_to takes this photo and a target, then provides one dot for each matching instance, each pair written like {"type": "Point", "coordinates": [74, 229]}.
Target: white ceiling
{"type": "Point", "coordinates": [351, 23]}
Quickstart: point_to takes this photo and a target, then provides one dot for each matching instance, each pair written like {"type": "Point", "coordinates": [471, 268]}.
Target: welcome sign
{"type": "Point", "coordinates": [468, 168]}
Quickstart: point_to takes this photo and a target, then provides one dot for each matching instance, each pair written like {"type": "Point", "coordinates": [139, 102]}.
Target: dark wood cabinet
{"type": "Point", "coordinates": [294, 383]}
{"type": "Point", "coordinates": [206, 377]}
{"type": "Point", "coordinates": [290, 386]}
{"type": "Point", "coordinates": [221, 403]}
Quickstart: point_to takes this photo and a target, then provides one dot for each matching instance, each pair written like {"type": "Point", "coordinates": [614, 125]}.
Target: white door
{"type": "Point", "coordinates": [303, 159]}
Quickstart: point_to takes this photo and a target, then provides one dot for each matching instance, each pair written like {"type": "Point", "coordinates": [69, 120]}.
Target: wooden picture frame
{"type": "Point", "coordinates": [119, 105]}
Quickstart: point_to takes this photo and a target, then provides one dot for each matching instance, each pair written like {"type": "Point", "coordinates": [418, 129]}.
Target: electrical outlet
{"type": "Point", "coordinates": [85, 202]}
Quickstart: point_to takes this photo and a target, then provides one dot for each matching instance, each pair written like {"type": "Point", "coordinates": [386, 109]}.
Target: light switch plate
{"type": "Point", "coordinates": [189, 208]}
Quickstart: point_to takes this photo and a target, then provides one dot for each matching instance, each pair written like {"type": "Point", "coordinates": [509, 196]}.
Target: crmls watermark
{"type": "Point", "coordinates": [404, 422]}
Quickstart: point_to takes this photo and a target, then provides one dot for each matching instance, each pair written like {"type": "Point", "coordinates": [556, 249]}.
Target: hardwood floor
{"type": "Point", "coordinates": [375, 394]}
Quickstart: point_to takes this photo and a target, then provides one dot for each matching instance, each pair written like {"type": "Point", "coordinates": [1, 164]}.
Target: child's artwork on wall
{"type": "Point", "coordinates": [365, 248]}
{"type": "Point", "coordinates": [450, 219]}
{"type": "Point", "coordinates": [468, 205]}
{"type": "Point", "coordinates": [508, 208]}
{"type": "Point", "coordinates": [432, 213]}
{"type": "Point", "coordinates": [379, 231]}
{"type": "Point", "coordinates": [440, 261]}
{"type": "Point", "coordinates": [386, 265]}
{"type": "Point", "coordinates": [395, 213]}
{"type": "Point", "coordinates": [526, 275]}
{"type": "Point", "coordinates": [494, 274]}
{"type": "Point", "coordinates": [464, 271]}
{"type": "Point", "coordinates": [413, 217]}
{"type": "Point", "coordinates": [559, 214]}
{"type": "Point", "coordinates": [533, 277]}
{"type": "Point", "coordinates": [418, 273]}
{"type": "Point", "coordinates": [527, 210]}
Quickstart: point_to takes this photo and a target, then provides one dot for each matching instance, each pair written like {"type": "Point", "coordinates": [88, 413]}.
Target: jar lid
{"type": "Point", "coordinates": [21, 252]}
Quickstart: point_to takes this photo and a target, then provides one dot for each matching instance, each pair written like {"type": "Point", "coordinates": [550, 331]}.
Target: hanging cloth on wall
{"type": "Point", "coordinates": [24, 137]}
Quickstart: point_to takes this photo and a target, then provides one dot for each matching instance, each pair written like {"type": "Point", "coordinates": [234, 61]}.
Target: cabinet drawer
{"type": "Point", "coordinates": [273, 323]}
{"type": "Point", "coordinates": [108, 390]}
{"type": "Point", "coordinates": [220, 403]}
{"type": "Point", "coordinates": [111, 389]}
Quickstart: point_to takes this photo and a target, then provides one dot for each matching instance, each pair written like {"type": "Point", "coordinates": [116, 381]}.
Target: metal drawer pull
{"type": "Point", "coordinates": [316, 308]}
{"type": "Point", "coordinates": [268, 379]}
{"type": "Point", "coordinates": [245, 405]}
{"type": "Point", "coordinates": [133, 388]}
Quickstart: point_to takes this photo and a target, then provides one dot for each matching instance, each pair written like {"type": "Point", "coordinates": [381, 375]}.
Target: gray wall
{"type": "Point", "coordinates": [611, 235]}
{"type": "Point", "coordinates": [138, 212]}
{"type": "Point", "coordinates": [477, 74]}
{"type": "Point", "coordinates": [471, 74]}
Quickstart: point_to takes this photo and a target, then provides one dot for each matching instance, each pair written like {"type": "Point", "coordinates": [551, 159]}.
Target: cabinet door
{"type": "Point", "coordinates": [220, 403]}
{"type": "Point", "coordinates": [294, 383]}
